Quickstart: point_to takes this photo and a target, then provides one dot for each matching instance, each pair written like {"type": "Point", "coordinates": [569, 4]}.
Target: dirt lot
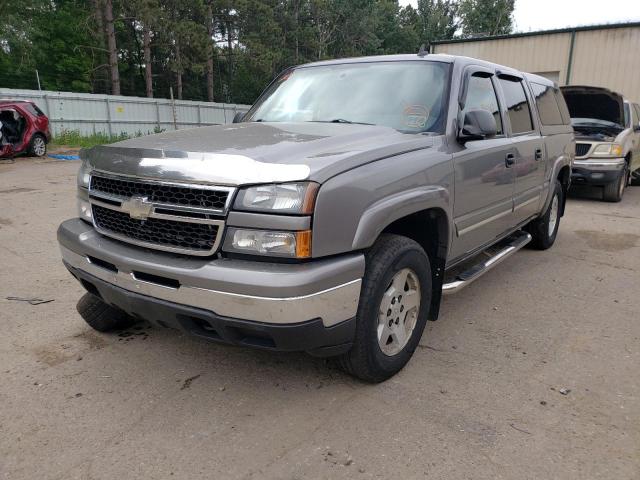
{"type": "Point", "coordinates": [481, 399]}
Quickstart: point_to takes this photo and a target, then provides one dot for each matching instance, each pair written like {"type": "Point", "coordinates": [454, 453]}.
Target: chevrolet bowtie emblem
{"type": "Point", "coordinates": [137, 207]}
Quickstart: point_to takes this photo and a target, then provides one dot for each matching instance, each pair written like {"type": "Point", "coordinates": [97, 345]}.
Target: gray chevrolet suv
{"type": "Point", "coordinates": [333, 217]}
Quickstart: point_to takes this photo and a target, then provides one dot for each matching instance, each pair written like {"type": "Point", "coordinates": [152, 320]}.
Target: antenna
{"type": "Point", "coordinates": [424, 51]}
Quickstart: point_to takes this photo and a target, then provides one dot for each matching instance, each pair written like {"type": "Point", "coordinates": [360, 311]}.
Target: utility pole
{"type": "Point", "coordinates": [38, 79]}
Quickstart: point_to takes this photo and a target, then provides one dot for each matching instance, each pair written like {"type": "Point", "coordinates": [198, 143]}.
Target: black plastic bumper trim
{"type": "Point", "coordinates": [311, 336]}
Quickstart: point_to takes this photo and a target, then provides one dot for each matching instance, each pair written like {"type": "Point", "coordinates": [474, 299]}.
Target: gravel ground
{"type": "Point", "coordinates": [530, 373]}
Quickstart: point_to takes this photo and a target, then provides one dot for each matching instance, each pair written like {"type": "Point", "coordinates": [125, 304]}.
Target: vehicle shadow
{"type": "Point", "coordinates": [585, 192]}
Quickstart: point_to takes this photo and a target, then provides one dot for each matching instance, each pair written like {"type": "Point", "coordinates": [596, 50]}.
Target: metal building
{"type": "Point", "coordinates": [600, 55]}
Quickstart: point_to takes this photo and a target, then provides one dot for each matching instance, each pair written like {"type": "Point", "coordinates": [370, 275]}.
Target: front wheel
{"type": "Point", "coordinates": [544, 229]}
{"type": "Point", "coordinates": [614, 191]}
{"type": "Point", "coordinates": [38, 146]}
{"type": "Point", "coordinates": [102, 317]}
{"type": "Point", "coordinates": [393, 309]}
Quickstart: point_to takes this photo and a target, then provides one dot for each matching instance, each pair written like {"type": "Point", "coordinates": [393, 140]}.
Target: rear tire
{"type": "Point", "coordinates": [544, 229]}
{"type": "Point", "coordinates": [613, 192]}
{"type": "Point", "coordinates": [393, 309]}
{"type": "Point", "coordinates": [38, 146]}
{"type": "Point", "coordinates": [100, 316]}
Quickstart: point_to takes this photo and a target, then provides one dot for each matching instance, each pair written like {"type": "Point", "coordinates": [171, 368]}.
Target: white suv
{"type": "Point", "coordinates": [607, 129]}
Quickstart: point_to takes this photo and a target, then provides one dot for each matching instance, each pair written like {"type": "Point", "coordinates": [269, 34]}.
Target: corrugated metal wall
{"type": "Point", "coordinates": [605, 57]}
{"type": "Point", "coordinates": [114, 115]}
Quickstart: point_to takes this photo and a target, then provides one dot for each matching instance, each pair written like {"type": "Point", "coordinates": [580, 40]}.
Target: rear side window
{"type": "Point", "coordinates": [637, 108]}
{"type": "Point", "coordinates": [517, 105]}
{"type": "Point", "coordinates": [547, 104]}
{"type": "Point", "coordinates": [482, 95]}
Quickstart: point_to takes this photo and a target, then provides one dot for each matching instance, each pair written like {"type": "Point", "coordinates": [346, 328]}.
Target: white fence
{"type": "Point", "coordinates": [113, 115]}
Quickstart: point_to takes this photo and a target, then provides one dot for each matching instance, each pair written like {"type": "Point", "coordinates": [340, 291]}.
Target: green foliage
{"type": "Point", "coordinates": [486, 17]}
{"type": "Point", "coordinates": [252, 41]}
{"type": "Point", "coordinates": [73, 138]}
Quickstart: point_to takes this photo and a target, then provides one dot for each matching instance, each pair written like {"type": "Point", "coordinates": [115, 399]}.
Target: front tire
{"type": "Point", "coordinates": [38, 146]}
{"type": "Point", "coordinates": [613, 192]}
{"type": "Point", "coordinates": [393, 309]}
{"type": "Point", "coordinates": [100, 316]}
{"type": "Point", "coordinates": [544, 230]}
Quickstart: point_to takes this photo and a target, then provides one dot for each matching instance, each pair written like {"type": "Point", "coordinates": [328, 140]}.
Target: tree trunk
{"type": "Point", "coordinates": [229, 58]}
{"type": "Point", "coordinates": [210, 53]}
{"type": "Point", "coordinates": [148, 79]}
{"type": "Point", "coordinates": [179, 70]}
{"type": "Point", "coordinates": [111, 47]}
{"type": "Point", "coordinates": [98, 12]}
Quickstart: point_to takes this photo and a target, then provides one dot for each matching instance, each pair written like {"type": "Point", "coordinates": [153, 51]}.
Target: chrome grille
{"type": "Point", "coordinates": [582, 149]}
{"type": "Point", "coordinates": [162, 193]}
{"type": "Point", "coordinates": [200, 237]}
{"type": "Point", "coordinates": [180, 218]}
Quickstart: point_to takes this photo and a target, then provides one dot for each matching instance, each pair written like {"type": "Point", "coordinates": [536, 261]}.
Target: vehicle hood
{"type": "Point", "coordinates": [247, 153]}
{"type": "Point", "coordinates": [594, 102]}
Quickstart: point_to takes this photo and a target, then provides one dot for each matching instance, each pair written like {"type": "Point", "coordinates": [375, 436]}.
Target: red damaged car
{"type": "Point", "coordinates": [24, 128]}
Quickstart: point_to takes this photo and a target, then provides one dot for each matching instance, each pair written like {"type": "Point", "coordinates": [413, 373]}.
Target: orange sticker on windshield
{"type": "Point", "coordinates": [416, 116]}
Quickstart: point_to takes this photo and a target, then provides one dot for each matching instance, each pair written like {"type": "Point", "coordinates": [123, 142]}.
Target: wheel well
{"type": "Point", "coordinates": [429, 228]}
{"type": "Point", "coordinates": [564, 175]}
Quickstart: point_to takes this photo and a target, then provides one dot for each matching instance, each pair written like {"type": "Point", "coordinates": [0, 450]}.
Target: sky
{"type": "Point", "coordinates": [532, 15]}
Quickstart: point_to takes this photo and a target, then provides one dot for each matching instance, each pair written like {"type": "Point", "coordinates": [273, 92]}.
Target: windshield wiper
{"type": "Point", "coordinates": [341, 120]}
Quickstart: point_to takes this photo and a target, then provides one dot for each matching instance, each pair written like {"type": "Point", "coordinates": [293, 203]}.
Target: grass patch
{"type": "Point", "coordinates": [73, 138]}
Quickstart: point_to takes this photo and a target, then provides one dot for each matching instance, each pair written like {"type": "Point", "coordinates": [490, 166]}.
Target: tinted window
{"type": "Point", "coordinates": [637, 107]}
{"type": "Point", "coordinates": [564, 110]}
{"type": "Point", "coordinates": [481, 95]}
{"type": "Point", "coordinates": [547, 104]}
{"type": "Point", "coordinates": [517, 105]}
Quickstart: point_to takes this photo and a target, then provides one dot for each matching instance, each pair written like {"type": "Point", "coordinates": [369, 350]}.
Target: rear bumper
{"type": "Point", "coordinates": [596, 172]}
{"type": "Point", "coordinates": [327, 290]}
{"type": "Point", "coordinates": [311, 336]}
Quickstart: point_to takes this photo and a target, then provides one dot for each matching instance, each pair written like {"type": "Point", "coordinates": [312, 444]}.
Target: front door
{"type": "Point", "coordinates": [484, 176]}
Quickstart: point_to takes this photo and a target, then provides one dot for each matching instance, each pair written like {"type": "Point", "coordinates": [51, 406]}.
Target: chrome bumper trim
{"type": "Point", "coordinates": [332, 305]}
{"type": "Point", "coordinates": [613, 164]}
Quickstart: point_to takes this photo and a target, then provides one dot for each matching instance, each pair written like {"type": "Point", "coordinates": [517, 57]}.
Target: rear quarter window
{"type": "Point", "coordinates": [33, 109]}
{"type": "Point", "coordinates": [547, 104]}
{"type": "Point", "coordinates": [564, 110]}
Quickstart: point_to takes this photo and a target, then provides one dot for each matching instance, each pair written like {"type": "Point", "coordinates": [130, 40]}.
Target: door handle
{"type": "Point", "coordinates": [509, 160]}
{"type": "Point", "coordinates": [538, 153]}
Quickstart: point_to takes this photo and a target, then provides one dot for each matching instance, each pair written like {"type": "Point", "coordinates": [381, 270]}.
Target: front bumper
{"type": "Point", "coordinates": [325, 292]}
{"type": "Point", "coordinates": [597, 172]}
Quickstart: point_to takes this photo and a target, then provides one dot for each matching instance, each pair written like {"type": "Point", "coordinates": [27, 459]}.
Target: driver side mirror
{"type": "Point", "coordinates": [478, 124]}
{"type": "Point", "coordinates": [237, 118]}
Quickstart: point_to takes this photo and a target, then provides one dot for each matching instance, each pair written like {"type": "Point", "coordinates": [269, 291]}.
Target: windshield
{"type": "Point", "coordinates": [407, 96]}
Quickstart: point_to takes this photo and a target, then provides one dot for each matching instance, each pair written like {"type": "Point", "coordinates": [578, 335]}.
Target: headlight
{"type": "Point", "coordinates": [267, 242]}
{"type": "Point", "coordinates": [278, 198]}
{"type": "Point", "coordinates": [84, 207]}
{"type": "Point", "coordinates": [84, 174]}
{"type": "Point", "coordinates": [608, 149]}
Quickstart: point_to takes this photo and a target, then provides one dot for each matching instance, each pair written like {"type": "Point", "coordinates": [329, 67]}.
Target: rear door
{"type": "Point", "coordinates": [529, 162]}
{"type": "Point", "coordinates": [483, 207]}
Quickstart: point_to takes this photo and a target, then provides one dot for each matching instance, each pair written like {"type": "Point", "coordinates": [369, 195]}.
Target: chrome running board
{"type": "Point", "coordinates": [505, 249]}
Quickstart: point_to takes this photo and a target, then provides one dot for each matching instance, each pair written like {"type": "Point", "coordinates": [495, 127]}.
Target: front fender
{"type": "Point", "coordinates": [353, 208]}
{"type": "Point", "coordinates": [387, 210]}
